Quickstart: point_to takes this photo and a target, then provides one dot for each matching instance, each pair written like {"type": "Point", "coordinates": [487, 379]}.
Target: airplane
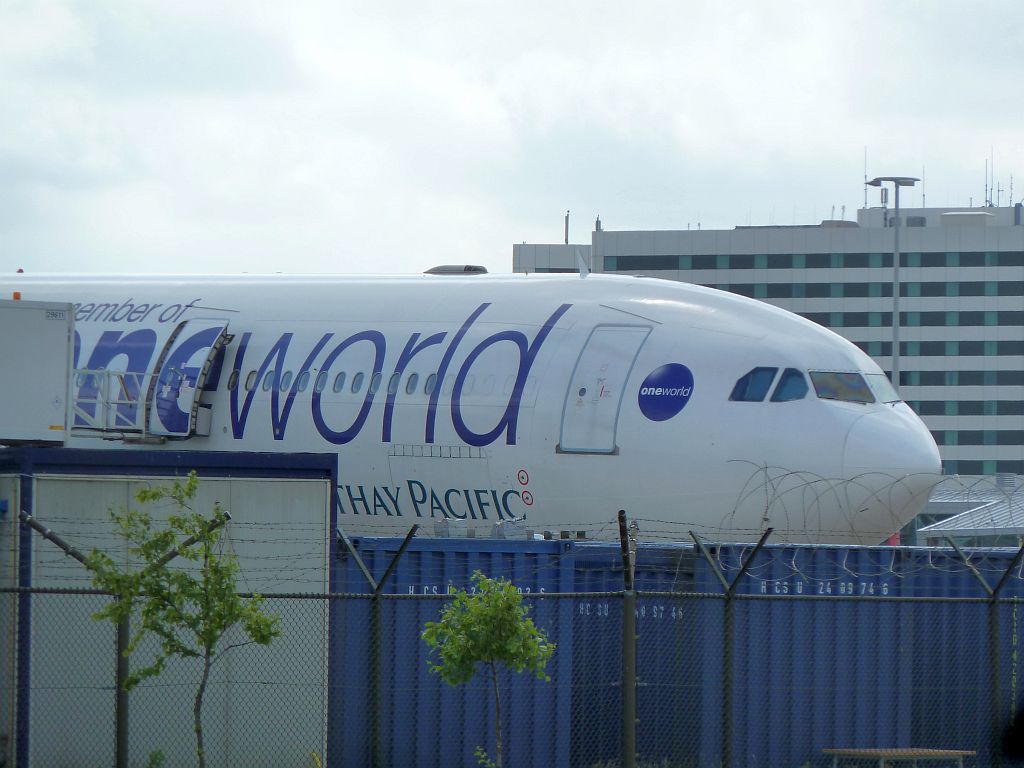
{"type": "Point", "coordinates": [506, 402]}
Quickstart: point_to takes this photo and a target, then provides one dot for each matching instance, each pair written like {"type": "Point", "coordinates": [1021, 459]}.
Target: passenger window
{"type": "Point", "coordinates": [286, 380]}
{"type": "Point", "coordinates": [836, 385]}
{"type": "Point", "coordinates": [268, 381]}
{"type": "Point", "coordinates": [429, 384]}
{"type": "Point", "coordinates": [250, 381]}
{"type": "Point", "coordinates": [357, 382]}
{"type": "Point", "coordinates": [792, 386]}
{"type": "Point", "coordinates": [410, 384]}
{"type": "Point", "coordinates": [233, 380]}
{"type": "Point", "coordinates": [375, 383]}
{"type": "Point", "coordinates": [303, 381]}
{"type": "Point", "coordinates": [753, 386]}
{"type": "Point", "coordinates": [393, 383]}
{"type": "Point", "coordinates": [321, 382]}
{"type": "Point", "coordinates": [339, 382]}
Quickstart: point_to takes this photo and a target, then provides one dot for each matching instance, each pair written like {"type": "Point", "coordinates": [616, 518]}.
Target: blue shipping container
{"type": "Point", "coordinates": [845, 664]}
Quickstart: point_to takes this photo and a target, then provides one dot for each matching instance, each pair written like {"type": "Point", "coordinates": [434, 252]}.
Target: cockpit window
{"type": "Point", "coordinates": [753, 386]}
{"type": "Point", "coordinates": [884, 391]}
{"type": "Point", "coordinates": [792, 386]}
{"type": "Point", "coordinates": [838, 385]}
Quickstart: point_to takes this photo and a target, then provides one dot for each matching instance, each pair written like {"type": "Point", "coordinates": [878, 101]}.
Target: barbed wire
{"type": "Point", "coordinates": [295, 551]}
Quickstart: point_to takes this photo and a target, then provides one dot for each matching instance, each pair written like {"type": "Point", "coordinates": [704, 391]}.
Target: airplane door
{"type": "Point", "coordinates": [591, 411]}
{"type": "Point", "coordinates": [180, 374]}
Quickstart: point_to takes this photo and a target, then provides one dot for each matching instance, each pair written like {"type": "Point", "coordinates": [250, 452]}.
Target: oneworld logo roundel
{"type": "Point", "coordinates": [665, 391]}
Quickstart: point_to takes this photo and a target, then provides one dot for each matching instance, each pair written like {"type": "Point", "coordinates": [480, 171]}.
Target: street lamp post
{"type": "Point", "coordinates": [897, 182]}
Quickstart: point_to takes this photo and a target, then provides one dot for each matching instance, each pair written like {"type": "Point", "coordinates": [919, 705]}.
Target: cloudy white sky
{"type": "Point", "coordinates": [333, 136]}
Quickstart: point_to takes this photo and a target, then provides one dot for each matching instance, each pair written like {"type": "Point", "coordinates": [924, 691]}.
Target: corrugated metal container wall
{"type": "Point", "coordinates": [881, 673]}
{"type": "Point", "coordinates": [850, 667]}
{"type": "Point", "coordinates": [425, 722]}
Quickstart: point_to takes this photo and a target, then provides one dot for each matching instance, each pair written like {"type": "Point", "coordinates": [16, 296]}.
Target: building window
{"type": "Point", "coordinates": [821, 318]}
{"type": "Point", "coordinates": [646, 263]}
{"type": "Point", "coordinates": [876, 348]}
{"type": "Point", "coordinates": [742, 289]}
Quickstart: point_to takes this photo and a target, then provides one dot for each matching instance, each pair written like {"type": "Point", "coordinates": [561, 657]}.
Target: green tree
{"type": "Point", "coordinates": [188, 610]}
{"type": "Point", "coordinates": [489, 627]}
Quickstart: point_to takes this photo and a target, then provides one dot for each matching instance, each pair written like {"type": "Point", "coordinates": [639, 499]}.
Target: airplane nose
{"type": "Point", "coordinates": [892, 441]}
{"type": "Point", "coordinates": [890, 464]}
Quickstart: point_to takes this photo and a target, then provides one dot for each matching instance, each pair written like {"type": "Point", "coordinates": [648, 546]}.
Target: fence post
{"type": "Point", "coordinates": [121, 700]}
{"type": "Point", "coordinates": [629, 638]}
{"type": "Point", "coordinates": [728, 650]}
{"type": "Point", "coordinates": [376, 746]}
{"type": "Point", "coordinates": [998, 722]}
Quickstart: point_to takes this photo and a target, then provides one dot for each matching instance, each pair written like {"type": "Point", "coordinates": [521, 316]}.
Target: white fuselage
{"type": "Point", "coordinates": [485, 398]}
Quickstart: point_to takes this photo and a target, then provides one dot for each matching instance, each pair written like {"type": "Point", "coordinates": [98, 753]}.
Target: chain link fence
{"type": "Point", "coordinates": [746, 680]}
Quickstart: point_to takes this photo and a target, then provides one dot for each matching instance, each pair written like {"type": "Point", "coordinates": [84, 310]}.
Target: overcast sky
{"type": "Point", "coordinates": [187, 136]}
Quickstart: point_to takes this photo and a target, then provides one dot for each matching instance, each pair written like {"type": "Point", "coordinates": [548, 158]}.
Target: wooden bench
{"type": "Point", "coordinates": [910, 755]}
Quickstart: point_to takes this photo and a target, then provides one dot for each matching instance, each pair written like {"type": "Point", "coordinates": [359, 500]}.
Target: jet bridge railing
{"type": "Point", "coordinates": [110, 402]}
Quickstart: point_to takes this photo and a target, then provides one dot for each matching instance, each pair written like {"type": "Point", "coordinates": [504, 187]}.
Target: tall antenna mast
{"type": "Point", "coordinates": [986, 181]}
{"type": "Point", "coordinates": [865, 175]}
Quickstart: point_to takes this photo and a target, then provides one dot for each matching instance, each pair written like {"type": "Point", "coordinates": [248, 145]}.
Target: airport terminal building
{"type": "Point", "coordinates": [960, 304]}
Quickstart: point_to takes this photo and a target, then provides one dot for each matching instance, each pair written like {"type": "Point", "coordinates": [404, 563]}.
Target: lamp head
{"type": "Point", "coordinates": [899, 181]}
